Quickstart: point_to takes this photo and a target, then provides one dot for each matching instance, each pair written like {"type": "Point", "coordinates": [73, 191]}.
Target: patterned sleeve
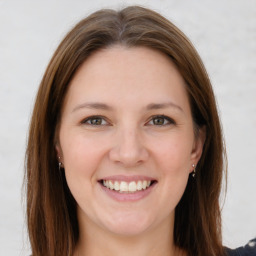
{"type": "Point", "coordinates": [250, 248]}
{"type": "Point", "coordinates": [247, 250]}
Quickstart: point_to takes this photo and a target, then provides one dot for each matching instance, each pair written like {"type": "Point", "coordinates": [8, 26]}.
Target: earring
{"type": "Point", "coordinates": [60, 164]}
{"type": "Point", "coordinates": [194, 170]}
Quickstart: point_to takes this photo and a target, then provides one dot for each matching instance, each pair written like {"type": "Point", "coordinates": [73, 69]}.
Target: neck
{"type": "Point", "coordinates": [94, 242]}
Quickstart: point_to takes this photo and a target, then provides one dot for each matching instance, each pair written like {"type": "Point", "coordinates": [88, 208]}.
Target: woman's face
{"type": "Point", "coordinates": [126, 140]}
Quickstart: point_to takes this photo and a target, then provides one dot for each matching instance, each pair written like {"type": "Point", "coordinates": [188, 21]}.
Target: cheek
{"type": "Point", "coordinates": [174, 163]}
{"type": "Point", "coordinates": [175, 155]}
{"type": "Point", "coordinates": [81, 158]}
{"type": "Point", "coordinates": [79, 151]}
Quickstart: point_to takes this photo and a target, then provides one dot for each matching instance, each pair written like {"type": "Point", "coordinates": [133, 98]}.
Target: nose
{"type": "Point", "coordinates": [128, 148]}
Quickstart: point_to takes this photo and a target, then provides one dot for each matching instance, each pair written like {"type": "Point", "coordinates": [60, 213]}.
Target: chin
{"type": "Point", "coordinates": [127, 230]}
{"type": "Point", "coordinates": [131, 226]}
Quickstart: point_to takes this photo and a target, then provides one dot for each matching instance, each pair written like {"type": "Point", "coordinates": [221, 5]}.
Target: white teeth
{"type": "Point", "coordinates": [116, 185]}
{"type": "Point", "coordinates": [139, 185]}
{"type": "Point", "coordinates": [111, 185]}
{"type": "Point", "coordinates": [144, 184]}
{"type": "Point", "coordinates": [124, 186]}
{"type": "Point", "coordinates": [132, 186]}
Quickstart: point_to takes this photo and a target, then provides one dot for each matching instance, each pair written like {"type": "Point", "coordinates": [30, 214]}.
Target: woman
{"type": "Point", "coordinates": [125, 152]}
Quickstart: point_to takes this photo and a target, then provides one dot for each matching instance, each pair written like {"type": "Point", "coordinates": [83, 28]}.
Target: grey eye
{"type": "Point", "coordinates": [95, 121]}
{"type": "Point", "coordinates": [159, 121]}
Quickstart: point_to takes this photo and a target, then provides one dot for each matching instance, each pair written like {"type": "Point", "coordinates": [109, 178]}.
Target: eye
{"type": "Point", "coordinates": [161, 120]}
{"type": "Point", "coordinates": [95, 121]}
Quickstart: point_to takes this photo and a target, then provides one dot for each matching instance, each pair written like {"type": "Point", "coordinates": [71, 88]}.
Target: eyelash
{"type": "Point", "coordinates": [167, 120]}
{"type": "Point", "coordinates": [91, 118]}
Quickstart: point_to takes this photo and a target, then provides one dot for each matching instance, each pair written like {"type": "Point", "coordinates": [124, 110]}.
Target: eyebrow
{"type": "Point", "coordinates": [103, 106]}
{"type": "Point", "coordinates": [154, 106]}
{"type": "Point", "coordinates": [93, 105]}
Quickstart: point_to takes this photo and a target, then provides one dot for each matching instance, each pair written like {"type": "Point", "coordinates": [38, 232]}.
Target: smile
{"type": "Point", "coordinates": [126, 187]}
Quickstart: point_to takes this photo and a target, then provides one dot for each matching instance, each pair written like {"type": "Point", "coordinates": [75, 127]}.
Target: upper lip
{"type": "Point", "coordinates": [128, 178]}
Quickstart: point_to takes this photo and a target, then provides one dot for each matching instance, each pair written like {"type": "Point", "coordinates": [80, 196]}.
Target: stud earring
{"type": "Point", "coordinates": [194, 170]}
{"type": "Point", "coordinates": [60, 164]}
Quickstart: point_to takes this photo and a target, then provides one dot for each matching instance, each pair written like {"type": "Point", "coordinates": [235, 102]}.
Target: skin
{"type": "Point", "coordinates": [135, 85]}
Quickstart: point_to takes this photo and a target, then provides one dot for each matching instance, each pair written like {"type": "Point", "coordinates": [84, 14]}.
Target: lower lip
{"type": "Point", "coordinates": [125, 197]}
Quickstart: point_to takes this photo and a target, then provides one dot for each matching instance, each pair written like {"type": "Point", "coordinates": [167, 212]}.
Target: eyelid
{"type": "Point", "coordinates": [106, 122]}
{"type": "Point", "coordinates": [85, 121]}
{"type": "Point", "coordinates": [169, 119]}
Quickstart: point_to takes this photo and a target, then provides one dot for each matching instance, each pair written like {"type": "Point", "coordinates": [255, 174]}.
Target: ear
{"type": "Point", "coordinates": [198, 145]}
{"type": "Point", "coordinates": [58, 150]}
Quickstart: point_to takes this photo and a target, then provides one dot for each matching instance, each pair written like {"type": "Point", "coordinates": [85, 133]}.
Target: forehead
{"type": "Point", "coordinates": [127, 75]}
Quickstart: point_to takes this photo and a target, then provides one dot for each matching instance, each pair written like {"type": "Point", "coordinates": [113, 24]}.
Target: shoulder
{"type": "Point", "coordinates": [247, 250]}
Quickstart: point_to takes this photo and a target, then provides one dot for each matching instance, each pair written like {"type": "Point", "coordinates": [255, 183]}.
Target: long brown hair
{"type": "Point", "coordinates": [51, 209]}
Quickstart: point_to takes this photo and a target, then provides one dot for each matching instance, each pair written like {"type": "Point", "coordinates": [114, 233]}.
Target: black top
{"type": "Point", "coordinates": [247, 250]}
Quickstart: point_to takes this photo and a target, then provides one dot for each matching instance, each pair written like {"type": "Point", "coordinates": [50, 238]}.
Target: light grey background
{"type": "Point", "coordinates": [224, 33]}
